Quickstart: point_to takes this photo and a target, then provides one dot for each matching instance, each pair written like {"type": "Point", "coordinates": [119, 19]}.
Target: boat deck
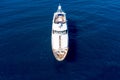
{"type": "Point", "coordinates": [60, 54]}
{"type": "Point", "coordinates": [59, 18]}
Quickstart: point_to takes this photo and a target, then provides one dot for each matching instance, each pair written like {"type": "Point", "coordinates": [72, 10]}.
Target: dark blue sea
{"type": "Point", "coordinates": [25, 40]}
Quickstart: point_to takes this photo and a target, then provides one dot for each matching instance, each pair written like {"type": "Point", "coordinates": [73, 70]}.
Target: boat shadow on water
{"type": "Point", "coordinates": [72, 27]}
{"type": "Point", "coordinates": [62, 67]}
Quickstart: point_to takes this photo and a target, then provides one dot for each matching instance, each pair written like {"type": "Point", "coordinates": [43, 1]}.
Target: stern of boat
{"type": "Point", "coordinates": [60, 54]}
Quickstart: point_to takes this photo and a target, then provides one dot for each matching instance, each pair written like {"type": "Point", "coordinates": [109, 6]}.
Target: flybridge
{"type": "Point", "coordinates": [59, 19]}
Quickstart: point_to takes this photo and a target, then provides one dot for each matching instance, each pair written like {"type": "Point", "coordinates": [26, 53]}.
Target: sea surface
{"type": "Point", "coordinates": [25, 40]}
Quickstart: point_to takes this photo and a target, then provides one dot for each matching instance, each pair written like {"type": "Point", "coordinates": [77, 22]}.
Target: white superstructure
{"type": "Point", "coordinates": [59, 35]}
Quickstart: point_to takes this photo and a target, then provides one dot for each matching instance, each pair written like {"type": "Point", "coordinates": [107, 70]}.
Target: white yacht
{"type": "Point", "coordinates": [59, 37]}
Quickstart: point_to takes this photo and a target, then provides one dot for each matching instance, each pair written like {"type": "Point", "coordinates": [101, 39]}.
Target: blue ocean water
{"type": "Point", "coordinates": [25, 40]}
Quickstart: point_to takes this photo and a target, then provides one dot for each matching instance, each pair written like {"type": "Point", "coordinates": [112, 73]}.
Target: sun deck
{"type": "Point", "coordinates": [59, 18]}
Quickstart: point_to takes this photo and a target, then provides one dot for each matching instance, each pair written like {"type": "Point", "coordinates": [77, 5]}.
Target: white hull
{"type": "Point", "coordinates": [59, 35]}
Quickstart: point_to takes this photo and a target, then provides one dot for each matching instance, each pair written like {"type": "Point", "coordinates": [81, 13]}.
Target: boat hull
{"type": "Point", "coordinates": [59, 37]}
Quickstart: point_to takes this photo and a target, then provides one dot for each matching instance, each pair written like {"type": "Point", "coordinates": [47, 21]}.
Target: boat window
{"type": "Point", "coordinates": [60, 15]}
{"type": "Point", "coordinates": [60, 32]}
